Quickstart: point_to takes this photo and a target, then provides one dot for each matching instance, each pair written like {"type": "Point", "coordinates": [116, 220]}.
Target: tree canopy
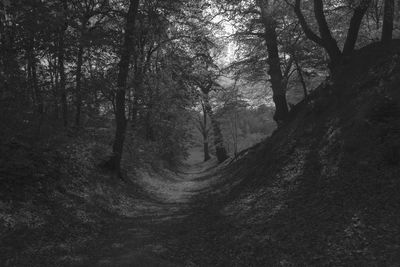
{"type": "Point", "coordinates": [71, 64]}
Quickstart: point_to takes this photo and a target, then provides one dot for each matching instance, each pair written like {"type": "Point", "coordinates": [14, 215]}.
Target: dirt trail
{"type": "Point", "coordinates": [146, 238]}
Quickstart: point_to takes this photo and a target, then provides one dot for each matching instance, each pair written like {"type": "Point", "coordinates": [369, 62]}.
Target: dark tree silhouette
{"type": "Point", "coordinates": [275, 72]}
{"type": "Point", "coordinates": [126, 52]}
{"type": "Point", "coordinates": [388, 16]}
{"type": "Point", "coordinates": [325, 39]}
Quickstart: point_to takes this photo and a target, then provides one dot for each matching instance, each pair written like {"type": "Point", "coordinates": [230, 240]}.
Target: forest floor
{"type": "Point", "coordinates": [148, 238]}
{"type": "Point", "coordinates": [97, 222]}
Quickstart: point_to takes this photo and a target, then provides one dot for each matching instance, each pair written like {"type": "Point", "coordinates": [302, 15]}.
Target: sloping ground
{"type": "Point", "coordinates": [57, 208]}
{"type": "Point", "coordinates": [54, 201]}
{"type": "Point", "coordinates": [324, 190]}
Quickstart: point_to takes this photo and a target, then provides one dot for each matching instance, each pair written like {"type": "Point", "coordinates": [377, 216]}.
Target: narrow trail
{"type": "Point", "coordinates": [146, 238]}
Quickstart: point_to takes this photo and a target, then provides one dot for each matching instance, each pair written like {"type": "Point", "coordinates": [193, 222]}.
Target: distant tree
{"type": "Point", "coordinates": [202, 126]}
{"type": "Point", "coordinates": [220, 149]}
{"type": "Point", "coordinates": [233, 105]}
{"type": "Point", "coordinates": [204, 78]}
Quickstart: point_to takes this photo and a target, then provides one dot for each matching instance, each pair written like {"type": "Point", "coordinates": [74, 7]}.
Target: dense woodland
{"type": "Point", "coordinates": [149, 81]}
{"type": "Point", "coordinates": [147, 67]}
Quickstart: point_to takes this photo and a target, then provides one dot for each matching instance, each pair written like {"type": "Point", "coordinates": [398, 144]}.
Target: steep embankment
{"type": "Point", "coordinates": [323, 190]}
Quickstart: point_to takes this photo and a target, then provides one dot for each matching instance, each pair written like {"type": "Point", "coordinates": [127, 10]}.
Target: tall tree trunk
{"type": "Point", "coordinates": [61, 67]}
{"type": "Point", "coordinates": [397, 15]}
{"type": "Point", "coordinates": [55, 86]}
{"type": "Point", "coordinates": [78, 93]}
{"type": "Point", "coordinates": [34, 83]}
{"type": "Point", "coordinates": [331, 45]}
{"type": "Point", "coordinates": [120, 116]}
{"type": "Point", "coordinates": [388, 17]}
{"type": "Point", "coordinates": [354, 27]}
{"type": "Point", "coordinates": [275, 72]}
{"type": "Point", "coordinates": [148, 122]}
{"type": "Point", "coordinates": [206, 148]}
{"type": "Point", "coordinates": [218, 138]}
{"type": "Point", "coordinates": [204, 132]}
{"type": "Point", "coordinates": [8, 58]}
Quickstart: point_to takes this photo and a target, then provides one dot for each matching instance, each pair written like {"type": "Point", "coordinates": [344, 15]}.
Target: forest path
{"type": "Point", "coordinates": [146, 238]}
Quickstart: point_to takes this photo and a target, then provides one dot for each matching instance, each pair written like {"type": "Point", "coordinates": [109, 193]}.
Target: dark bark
{"type": "Point", "coordinates": [388, 17]}
{"type": "Point", "coordinates": [78, 89]}
{"type": "Point", "coordinates": [120, 116]}
{"type": "Point", "coordinates": [55, 86]}
{"type": "Point", "coordinates": [398, 11]}
{"type": "Point", "coordinates": [220, 150]}
{"type": "Point", "coordinates": [354, 27]}
{"type": "Point", "coordinates": [330, 43]}
{"type": "Point", "coordinates": [148, 122]}
{"type": "Point", "coordinates": [275, 72]}
{"type": "Point", "coordinates": [8, 58]}
{"type": "Point", "coordinates": [206, 150]}
{"type": "Point", "coordinates": [304, 25]}
{"type": "Point", "coordinates": [204, 132]}
{"type": "Point", "coordinates": [32, 69]}
{"type": "Point", "coordinates": [326, 39]}
{"type": "Point", "coordinates": [61, 67]}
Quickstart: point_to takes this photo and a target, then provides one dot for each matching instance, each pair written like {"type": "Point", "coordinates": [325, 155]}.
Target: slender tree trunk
{"type": "Point", "coordinates": [234, 135]}
{"type": "Point", "coordinates": [38, 98]}
{"type": "Point", "coordinates": [397, 15]}
{"type": "Point", "coordinates": [61, 67]}
{"type": "Point", "coordinates": [8, 57]}
{"type": "Point", "coordinates": [148, 122]}
{"type": "Point", "coordinates": [275, 72]}
{"type": "Point", "coordinates": [120, 116]}
{"type": "Point", "coordinates": [206, 150]}
{"type": "Point", "coordinates": [55, 86]}
{"type": "Point", "coordinates": [37, 90]}
{"type": "Point", "coordinates": [331, 45]}
{"type": "Point", "coordinates": [354, 27]}
{"type": "Point", "coordinates": [78, 89]}
{"type": "Point", "coordinates": [300, 73]}
{"type": "Point", "coordinates": [205, 135]}
{"type": "Point", "coordinates": [218, 138]}
{"type": "Point", "coordinates": [388, 17]}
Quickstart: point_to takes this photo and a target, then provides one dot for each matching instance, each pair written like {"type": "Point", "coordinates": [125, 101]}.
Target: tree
{"type": "Point", "coordinates": [325, 39]}
{"type": "Point", "coordinates": [61, 56]}
{"type": "Point", "coordinates": [202, 126]}
{"type": "Point", "coordinates": [275, 72]}
{"type": "Point", "coordinates": [261, 47]}
{"type": "Point", "coordinates": [89, 16]}
{"type": "Point", "coordinates": [121, 86]}
{"type": "Point", "coordinates": [220, 150]}
{"type": "Point", "coordinates": [204, 78]}
{"type": "Point", "coordinates": [388, 17]}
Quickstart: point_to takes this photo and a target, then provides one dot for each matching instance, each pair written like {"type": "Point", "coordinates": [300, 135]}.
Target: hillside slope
{"type": "Point", "coordinates": [323, 190]}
